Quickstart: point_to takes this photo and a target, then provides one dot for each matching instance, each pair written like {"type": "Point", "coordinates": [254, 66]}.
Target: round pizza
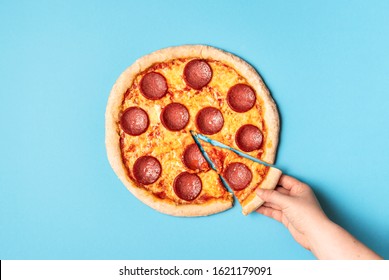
{"type": "Point", "coordinates": [155, 105]}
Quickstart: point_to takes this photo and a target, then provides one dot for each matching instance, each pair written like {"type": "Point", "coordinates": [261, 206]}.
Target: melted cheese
{"type": "Point", "coordinates": [222, 158]}
{"type": "Point", "coordinates": [168, 146]}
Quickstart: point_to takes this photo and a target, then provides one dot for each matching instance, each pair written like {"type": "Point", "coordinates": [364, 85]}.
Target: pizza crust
{"type": "Point", "coordinates": [115, 100]}
{"type": "Point", "coordinates": [188, 210]}
{"type": "Point", "coordinates": [270, 115]}
{"type": "Point", "coordinates": [253, 202]}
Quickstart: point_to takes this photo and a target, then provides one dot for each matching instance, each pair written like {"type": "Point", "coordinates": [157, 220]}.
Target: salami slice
{"type": "Point", "coordinates": [241, 98]}
{"type": "Point", "coordinates": [238, 176]}
{"type": "Point", "coordinates": [175, 116]}
{"type": "Point", "coordinates": [197, 73]}
{"type": "Point", "coordinates": [187, 186]}
{"type": "Point", "coordinates": [147, 170]}
{"type": "Point", "coordinates": [153, 86]}
{"type": "Point", "coordinates": [134, 121]}
{"type": "Point", "coordinates": [209, 120]}
{"type": "Point", "coordinates": [193, 159]}
{"type": "Point", "coordinates": [248, 138]}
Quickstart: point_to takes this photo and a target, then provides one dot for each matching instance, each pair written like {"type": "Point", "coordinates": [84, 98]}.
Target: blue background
{"type": "Point", "coordinates": [326, 64]}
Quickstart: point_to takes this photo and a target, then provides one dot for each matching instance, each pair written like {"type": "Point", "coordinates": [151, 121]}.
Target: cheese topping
{"type": "Point", "coordinates": [168, 146]}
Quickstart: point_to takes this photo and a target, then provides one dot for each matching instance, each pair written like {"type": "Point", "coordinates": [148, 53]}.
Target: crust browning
{"type": "Point", "coordinates": [189, 210]}
{"type": "Point", "coordinates": [271, 116]}
{"type": "Point", "coordinates": [253, 202]}
{"type": "Point", "coordinates": [112, 139]}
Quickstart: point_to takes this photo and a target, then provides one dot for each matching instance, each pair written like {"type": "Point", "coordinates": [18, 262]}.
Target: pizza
{"type": "Point", "coordinates": [243, 176]}
{"type": "Point", "coordinates": [156, 103]}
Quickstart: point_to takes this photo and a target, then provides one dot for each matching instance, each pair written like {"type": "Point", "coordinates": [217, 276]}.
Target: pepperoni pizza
{"type": "Point", "coordinates": [163, 96]}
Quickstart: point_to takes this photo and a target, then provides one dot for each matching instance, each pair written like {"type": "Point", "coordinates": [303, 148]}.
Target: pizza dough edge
{"type": "Point", "coordinates": [188, 210]}
{"type": "Point", "coordinates": [271, 116]}
{"type": "Point", "coordinates": [112, 137]}
{"type": "Point", "coordinates": [253, 202]}
{"type": "Point", "coordinates": [112, 140]}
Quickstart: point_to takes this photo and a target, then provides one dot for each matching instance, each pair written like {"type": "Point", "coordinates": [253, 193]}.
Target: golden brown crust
{"type": "Point", "coordinates": [212, 206]}
{"type": "Point", "coordinates": [253, 202]}
{"type": "Point", "coordinates": [113, 134]}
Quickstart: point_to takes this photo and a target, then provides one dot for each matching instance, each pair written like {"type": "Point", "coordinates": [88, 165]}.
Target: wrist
{"type": "Point", "coordinates": [317, 230]}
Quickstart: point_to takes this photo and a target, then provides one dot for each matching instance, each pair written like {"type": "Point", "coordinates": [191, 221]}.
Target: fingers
{"type": "Point", "coordinates": [282, 190]}
{"type": "Point", "coordinates": [274, 197]}
{"type": "Point", "coordinates": [270, 212]}
{"type": "Point", "coordinates": [288, 182]}
{"type": "Point", "coordinates": [272, 205]}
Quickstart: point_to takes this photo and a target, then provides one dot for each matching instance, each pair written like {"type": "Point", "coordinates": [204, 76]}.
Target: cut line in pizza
{"type": "Point", "coordinates": [160, 99]}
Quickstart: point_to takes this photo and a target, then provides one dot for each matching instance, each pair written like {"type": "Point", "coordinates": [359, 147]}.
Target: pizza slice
{"type": "Point", "coordinates": [171, 176]}
{"type": "Point", "coordinates": [163, 96]}
{"type": "Point", "coordinates": [243, 176]}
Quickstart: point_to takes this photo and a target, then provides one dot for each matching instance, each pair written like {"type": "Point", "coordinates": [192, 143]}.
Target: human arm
{"type": "Point", "coordinates": [294, 204]}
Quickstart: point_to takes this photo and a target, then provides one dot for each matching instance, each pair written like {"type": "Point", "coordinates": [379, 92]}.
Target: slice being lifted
{"type": "Point", "coordinates": [242, 175]}
{"type": "Point", "coordinates": [155, 104]}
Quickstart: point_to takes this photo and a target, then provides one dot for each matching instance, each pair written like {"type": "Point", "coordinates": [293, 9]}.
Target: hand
{"type": "Point", "coordinates": [294, 204]}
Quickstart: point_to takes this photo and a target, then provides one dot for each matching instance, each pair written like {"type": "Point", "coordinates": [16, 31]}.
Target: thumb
{"type": "Point", "coordinates": [274, 197]}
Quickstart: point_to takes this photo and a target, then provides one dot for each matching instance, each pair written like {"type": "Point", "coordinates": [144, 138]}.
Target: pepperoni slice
{"type": "Point", "coordinates": [134, 121]}
{"type": "Point", "coordinates": [153, 86]}
{"type": "Point", "coordinates": [147, 170]}
{"type": "Point", "coordinates": [193, 158]}
{"type": "Point", "coordinates": [197, 73]}
{"type": "Point", "coordinates": [175, 116]}
{"type": "Point", "coordinates": [248, 138]}
{"type": "Point", "coordinates": [209, 120]}
{"type": "Point", "coordinates": [187, 186]}
{"type": "Point", "coordinates": [238, 176]}
{"type": "Point", "coordinates": [241, 98]}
